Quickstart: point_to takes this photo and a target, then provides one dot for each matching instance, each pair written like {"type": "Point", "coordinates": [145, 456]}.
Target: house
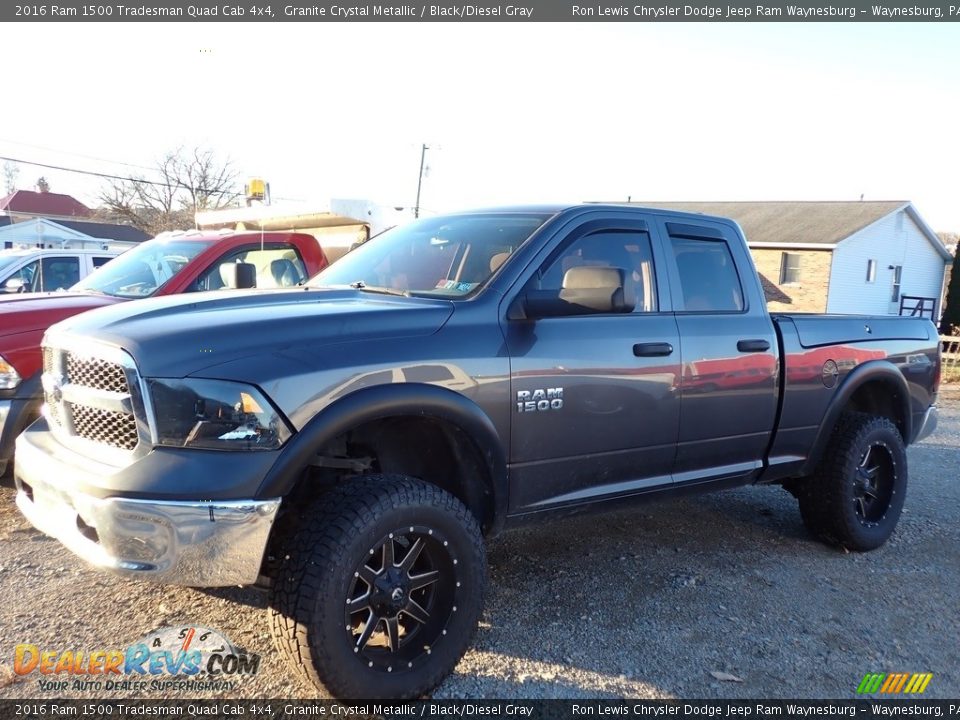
{"type": "Point", "coordinates": [871, 257]}
{"type": "Point", "coordinates": [46, 233]}
{"type": "Point", "coordinates": [47, 219]}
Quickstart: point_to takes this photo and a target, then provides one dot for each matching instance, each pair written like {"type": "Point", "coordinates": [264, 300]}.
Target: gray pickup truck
{"type": "Point", "coordinates": [350, 443]}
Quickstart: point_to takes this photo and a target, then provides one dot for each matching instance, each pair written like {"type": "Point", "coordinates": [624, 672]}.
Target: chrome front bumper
{"type": "Point", "coordinates": [4, 413]}
{"type": "Point", "coordinates": [201, 544]}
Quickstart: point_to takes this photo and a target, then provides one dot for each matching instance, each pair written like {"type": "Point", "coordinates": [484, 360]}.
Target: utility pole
{"type": "Point", "coordinates": [423, 155]}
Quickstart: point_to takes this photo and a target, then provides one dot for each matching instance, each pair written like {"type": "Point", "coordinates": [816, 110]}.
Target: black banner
{"type": "Point", "coordinates": [483, 11]}
{"type": "Point", "coordinates": [534, 709]}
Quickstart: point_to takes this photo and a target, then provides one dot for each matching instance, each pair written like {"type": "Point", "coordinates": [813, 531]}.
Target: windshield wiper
{"type": "Point", "coordinates": [382, 290]}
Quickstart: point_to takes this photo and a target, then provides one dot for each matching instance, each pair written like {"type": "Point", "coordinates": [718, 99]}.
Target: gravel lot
{"type": "Point", "coordinates": [643, 604]}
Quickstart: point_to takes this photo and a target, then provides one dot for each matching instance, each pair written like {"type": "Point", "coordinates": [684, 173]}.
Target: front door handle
{"type": "Point", "coordinates": [753, 346]}
{"type": "Point", "coordinates": [661, 349]}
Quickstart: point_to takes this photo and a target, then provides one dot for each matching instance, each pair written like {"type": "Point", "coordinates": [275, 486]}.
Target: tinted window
{"type": "Point", "coordinates": [629, 251]}
{"type": "Point", "coordinates": [57, 273]}
{"type": "Point", "coordinates": [100, 261]}
{"type": "Point", "coordinates": [708, 276]}
{"type": "Point", "coordinates": [278, 266]}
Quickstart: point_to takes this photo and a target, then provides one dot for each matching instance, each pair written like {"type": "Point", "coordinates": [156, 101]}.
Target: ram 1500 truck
{"type": "Point", "coordinates": [349, 443]}
{"type": "Point", "coordinates": [169, 264]}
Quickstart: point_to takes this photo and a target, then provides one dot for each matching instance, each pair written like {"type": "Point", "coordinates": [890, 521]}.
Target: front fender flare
{"type": "Point", "coordinates": [394, 400]}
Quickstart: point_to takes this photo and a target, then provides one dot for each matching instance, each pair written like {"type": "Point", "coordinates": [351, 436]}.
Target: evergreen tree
{"type": "Point", "coordinates": [951, 311]}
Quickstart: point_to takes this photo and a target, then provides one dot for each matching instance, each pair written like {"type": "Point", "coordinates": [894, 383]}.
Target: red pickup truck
{"type": "Point", "coordinates": [171, 263]}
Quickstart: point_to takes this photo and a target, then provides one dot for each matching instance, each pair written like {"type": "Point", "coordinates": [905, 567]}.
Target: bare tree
{"type": "Point", "coordinates": [10, 172]}
{"type": "Point", "coordinates": [188, 180]}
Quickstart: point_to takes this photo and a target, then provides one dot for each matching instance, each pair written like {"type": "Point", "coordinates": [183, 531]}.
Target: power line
{"type": "Point", "coordinates": [109, 176]}
{"type": "Point", "coordinates": [91, 172]}
{"type": "Point", "coordinates": [80, 155]}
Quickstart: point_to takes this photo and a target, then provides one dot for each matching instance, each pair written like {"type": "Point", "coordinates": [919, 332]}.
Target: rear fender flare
{"type": "Point", "coordinates": [870, 371]}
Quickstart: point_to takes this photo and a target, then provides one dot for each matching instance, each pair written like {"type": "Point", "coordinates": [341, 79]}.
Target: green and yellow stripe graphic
{"type": "Point", "coordinates": [894, 683]}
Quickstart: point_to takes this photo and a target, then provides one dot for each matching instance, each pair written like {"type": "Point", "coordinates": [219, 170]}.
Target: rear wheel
{"type": "Point", "coordinates": [379, 593]}
{"type": "Point", "coordinates": [856, 495]}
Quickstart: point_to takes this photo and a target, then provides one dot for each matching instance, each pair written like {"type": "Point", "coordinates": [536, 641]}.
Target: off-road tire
{"type": "Point", "coordinates": [833, 503]}
{"type": "Point", "coordinates": [317, 575]}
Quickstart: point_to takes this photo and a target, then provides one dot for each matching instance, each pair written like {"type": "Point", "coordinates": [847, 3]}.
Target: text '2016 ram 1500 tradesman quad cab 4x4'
{"type": "Point", "coordinates": [349, 443]}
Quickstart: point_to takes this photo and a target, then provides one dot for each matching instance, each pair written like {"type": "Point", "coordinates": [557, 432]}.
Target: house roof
{"type": "Point", "coordinates": [821, 223]}
{"type": "Point", "coordinates": [804, 223]}
{"type": "Point", "coordinates": [111, 231]}
{"type": "Point", "coordinates": [771, 292]}
{"type": "Point", "coordinates": [44, 203]}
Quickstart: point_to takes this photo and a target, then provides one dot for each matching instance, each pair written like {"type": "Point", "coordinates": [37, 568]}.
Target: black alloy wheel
{"type": "Point", "coordinates": [401, 597]}
{"type": "Point", "coordinates": [874, 484]}
{"type": "Point", "coordinates": [378, 592]}
{"type": "Point", "coordinates": [855, 496]}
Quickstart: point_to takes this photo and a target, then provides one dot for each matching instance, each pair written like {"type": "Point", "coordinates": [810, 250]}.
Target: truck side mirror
{"type": "Point", "coordinates": [238, 276]}
{"type": "Point", "coordinates": [586, 290]}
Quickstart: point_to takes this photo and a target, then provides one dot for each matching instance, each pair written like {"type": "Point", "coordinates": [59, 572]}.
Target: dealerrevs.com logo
{"type": "Point", "coordinates": [187, 657]}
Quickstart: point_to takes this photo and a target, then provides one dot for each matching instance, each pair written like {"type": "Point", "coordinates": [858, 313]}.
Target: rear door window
{"type": "Point", "coordinates": [708, 277]}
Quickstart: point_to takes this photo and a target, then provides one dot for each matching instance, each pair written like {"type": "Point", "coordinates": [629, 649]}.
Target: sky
{"type": "Point", "coordinates": [512, 113]}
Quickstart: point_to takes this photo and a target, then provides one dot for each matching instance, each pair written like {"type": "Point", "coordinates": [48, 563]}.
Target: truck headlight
{"type": "Point", "coordinates": [9, 377]}
{"type": "Point", "coordinates": [215, 415]}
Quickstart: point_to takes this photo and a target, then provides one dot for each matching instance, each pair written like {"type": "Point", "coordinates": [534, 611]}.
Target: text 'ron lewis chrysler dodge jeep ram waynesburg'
{"type": "Point", "coordinates": [349, 443]}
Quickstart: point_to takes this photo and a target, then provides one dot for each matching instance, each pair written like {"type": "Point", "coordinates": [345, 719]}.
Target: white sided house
{"type": "Point", "coordinates": [870, 257]}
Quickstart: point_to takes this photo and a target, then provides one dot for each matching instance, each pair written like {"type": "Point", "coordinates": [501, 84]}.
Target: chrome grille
{"type": "Point", "coordinates": [50, 370]}
{"type": "Point", "coordinates": [93, 400]}
{"type": "Point", "coordinates": [115, 429]}
{"type": "Point", "coordinates": [96, 373]}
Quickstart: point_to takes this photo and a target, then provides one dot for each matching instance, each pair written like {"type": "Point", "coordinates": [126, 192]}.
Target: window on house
{"type": "Point", "coordinates": [789, 268]}
{"type": "Point", "coordinates": [871, 270]}
{"type": "Point", "coordinates": [897, 276]}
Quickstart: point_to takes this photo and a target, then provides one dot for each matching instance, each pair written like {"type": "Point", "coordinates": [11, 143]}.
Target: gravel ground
{"type": "Point", "coordinates": [646, 603]}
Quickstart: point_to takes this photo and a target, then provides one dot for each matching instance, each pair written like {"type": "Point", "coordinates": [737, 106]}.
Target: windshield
{"type": "Point", "coordinates": [142, 271]}
{"type": "Point", "coordinates": [9, 260]}
{"type": "Point", "coordinates": [448, 256]}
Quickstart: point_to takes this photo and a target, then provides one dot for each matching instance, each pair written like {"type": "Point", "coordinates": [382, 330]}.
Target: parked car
{"type": "Point", "coordinates": [170, 264]}
{"type": "Point", "coordinates": [43, 270]}
{"type": "Point", "coordinates": [348, 444]}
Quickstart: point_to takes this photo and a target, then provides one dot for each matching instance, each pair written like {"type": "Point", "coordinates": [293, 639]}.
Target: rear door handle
{"type": "Point", "coordinates": [653, 349]}
{"type": "Point", "coordinates": [753, 346]}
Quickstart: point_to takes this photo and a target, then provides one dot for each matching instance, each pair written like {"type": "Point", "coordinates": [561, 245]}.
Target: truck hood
{"type": "Point", "coordinates": [181, 335]}
{"type": "Point", "coordinates": [27, 312]}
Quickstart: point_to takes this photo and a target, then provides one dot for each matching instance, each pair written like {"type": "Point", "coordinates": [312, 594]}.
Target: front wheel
{"type": "Point", "coordinates": [379, 593]}
{"type": "Point", "coordinates": [856, 494]}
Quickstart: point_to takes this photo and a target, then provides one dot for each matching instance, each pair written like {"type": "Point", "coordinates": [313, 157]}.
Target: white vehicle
{"type": "Point", "coordinates": [36, 270]}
